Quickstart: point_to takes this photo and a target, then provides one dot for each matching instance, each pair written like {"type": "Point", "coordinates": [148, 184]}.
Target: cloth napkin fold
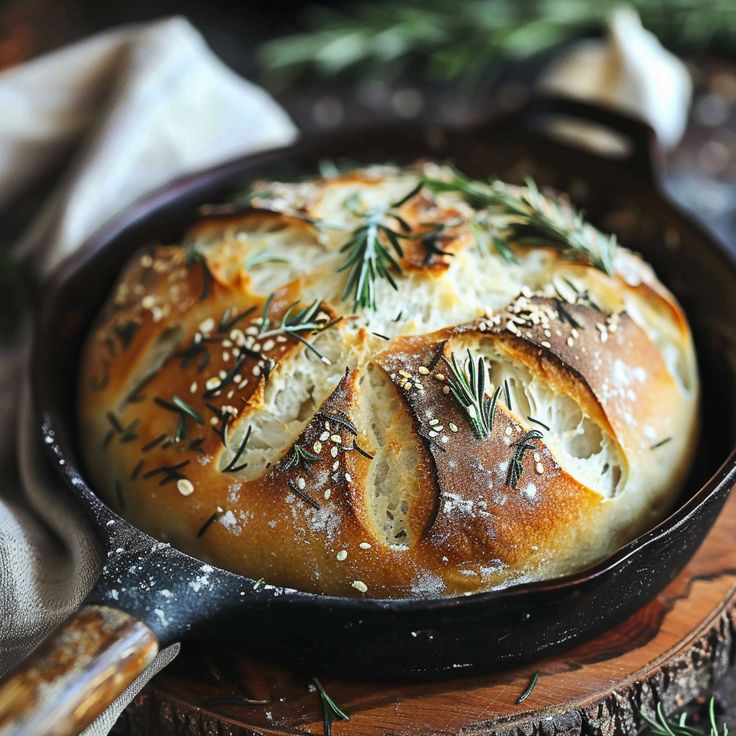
{"type": "Point", "coordinates": [122, 112]}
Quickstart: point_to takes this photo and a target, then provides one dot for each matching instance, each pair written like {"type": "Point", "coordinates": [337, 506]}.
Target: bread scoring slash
{"type": "Point", "coordinates": [390, 383]}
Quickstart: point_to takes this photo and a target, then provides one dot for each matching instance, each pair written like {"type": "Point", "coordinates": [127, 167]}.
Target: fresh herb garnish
{"type": "Point", "coordinates": [136, 469]}
{"type": "Point", "coordinates": [298, 491]}
{"type": "Point", "coordinates": [361, 451]}
{"type": "Point", "coordinates": [135, 394]}
{"type": "Point", "coordinates": [468, 386]}
{"type": "Point", "coordinates": [516, 467]}
{"type": "Point", "coordinates": [339, 420]}
{"type": "Point", "coordinates": [529, 689]}
{"type": "Point", "coordinates": [660, 443]}
{"type": "Point", "coordinates": [154, 443]}
{"type": "Point", "coordinates": [296, 323]}
{"type": "Point", "coordinates": [229, 319]}
{"type": "Point", "coordinates": [368, 256]}
{"type": "Point", "coordinates": [536, 421]}
{"type": "Point", "coordinates": [210, 521]}
{"type": "Point", "coordinates": [169, 472]}
{"type": "Point", "coordinates": [232, 466]}
{"type": "Point", "coordinates": [301, 457]}
{"type": "Point", "coordinates": [662, 726]}
{"type": "Point", "coordinates": [331, 711]}
{"type": "Point", "coordinates": [535, 219]}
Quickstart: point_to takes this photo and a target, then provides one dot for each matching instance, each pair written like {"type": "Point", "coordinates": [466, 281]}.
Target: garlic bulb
{"type": "Point", "coordinates": [629, 70]}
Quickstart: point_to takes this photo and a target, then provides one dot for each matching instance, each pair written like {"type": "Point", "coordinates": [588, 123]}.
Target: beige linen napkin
{"type": "Point", "coordinates": [135, 107]}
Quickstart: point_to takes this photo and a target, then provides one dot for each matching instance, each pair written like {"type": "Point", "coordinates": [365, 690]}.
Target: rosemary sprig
{"type": "Point", "coordinates": [331, 711]}
{"type": "Point", "coordinates": [516, 467]}
{"type": "Point", "coordinates": [663, 726]}
{"type": "Point", "coordinates": [468, 387]}
{"type": "Point", "coordinates": [372, 249]}
{"type": "Point", "coordinates": [301, 457]}
{"type": "Point", "coordinates": [535, 219]}
{"type": "Point", "coordinates": [296, 323]}
{"type": "Point", "coordinates": [466, 42]}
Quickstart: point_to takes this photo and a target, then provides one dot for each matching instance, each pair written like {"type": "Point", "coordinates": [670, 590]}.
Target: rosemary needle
{"type": "Point", "coordinates": [529, 689]}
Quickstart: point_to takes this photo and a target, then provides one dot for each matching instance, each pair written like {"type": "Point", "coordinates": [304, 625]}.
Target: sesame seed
{"type": "Point", "coordinates": [539, 468]}
{"type": "Point", "coordinates": [342, 555]}
{"type": "Point", "coordinates": [407, 385]}
{"type": "Point", "coordinates": [432, 433]}
{"type": "Point", "coordinates": [213, 421]}
{"type": "Point", "coordinates": [423, 370]}
{"type": "Point", "coordinates": [364, 545]}
{"type": "Point", "coordinates": [570, 342]}
{"type": "Point", "coordinates": [317, 447]}
{"type": "Point", "coordinates": [207, 325]}
{"type": "Point", "coordinates": [324, 436]}
{"type": "Point", "coordinates": [360, 585]}
{"type": "Point", "coordinates": [328, 493]}
{"type": "Point", "coordinates": [445, 389]}
{"type": "Point", "coordinates": [335, 465]}
{"type": "Point", "coordinates": [212, 383]}
{"type": "Point", "coordinates": [268, 345]}
{"type": "Point", "coordinates": [147, 302]}
{"type": "Point", "coordinates": [432, 422]}
{"type": "Point", "coordinates": [545, 344]}
{"type": "Point", "coordinates": [301, 484]}
{"type": "Point", "coordinates": [336, 438]}
{"type": "Point", "coordinates": [405, 374]}
{"type": "Point", "coordinates": [537, 457]}
{"type": "Point", "coordinates": [453, 427]}
{"type": "Point", "coordinates": [146, 261]}
{"type": "Point", "coordinates": [226, 356]}
{"type": "Point", "coordinates": [333, 451]}
{"type": "Point", "coordinates": [348, 478]}
{"type": "Point", "coordinates": [509, 431]}
{"type": "Point", "coordinates": [193, 388]}
{"type": "Point", "coordinates": [256, 370]}
{"type": "Point", "coordinates": [185, 486]}
{"type": "Point", "coordinates": [439, 376]}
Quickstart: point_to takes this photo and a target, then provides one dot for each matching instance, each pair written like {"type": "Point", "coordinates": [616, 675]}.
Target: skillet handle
{"type": "Point", "coordinates": [76, 673]}
{"type": "Point", "coordinates": [644, 154]}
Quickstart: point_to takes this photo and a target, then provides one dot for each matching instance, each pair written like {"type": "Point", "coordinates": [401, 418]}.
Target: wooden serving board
{"type": "Point", "coordinates": [672, 651]}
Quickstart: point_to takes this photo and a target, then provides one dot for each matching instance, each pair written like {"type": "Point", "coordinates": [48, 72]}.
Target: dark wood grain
{"type": "Point", "coordinates": [76, 673]}
{"type": "Point", "coordinates": [672, 651]}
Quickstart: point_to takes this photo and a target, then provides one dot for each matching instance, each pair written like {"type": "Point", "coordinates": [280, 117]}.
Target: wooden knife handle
{"type": "Point", "coordinates": [75, 673]}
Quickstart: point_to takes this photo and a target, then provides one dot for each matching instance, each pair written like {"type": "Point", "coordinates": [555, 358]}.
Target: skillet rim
{"type": "Point", "coordinates": [65, 462]}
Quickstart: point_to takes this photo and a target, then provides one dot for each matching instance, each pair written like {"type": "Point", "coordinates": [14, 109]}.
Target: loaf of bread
{"type": "Point", "coordinates": [390, 383]}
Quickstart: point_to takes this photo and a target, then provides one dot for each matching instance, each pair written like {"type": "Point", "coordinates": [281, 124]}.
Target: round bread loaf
{"type": "Point", "coordinates": [390, 383]}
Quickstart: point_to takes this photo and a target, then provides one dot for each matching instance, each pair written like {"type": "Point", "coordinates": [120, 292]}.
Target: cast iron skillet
{"type": "Point", "coordinates": [166, 595]}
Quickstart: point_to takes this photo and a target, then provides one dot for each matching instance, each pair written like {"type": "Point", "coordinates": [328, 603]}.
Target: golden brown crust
{"type": "Point", "coordinates": [346, 465]}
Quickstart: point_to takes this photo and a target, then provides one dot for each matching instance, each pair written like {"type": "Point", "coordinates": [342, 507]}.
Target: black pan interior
{"type": "Point", "coordinates": [425, 638]}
